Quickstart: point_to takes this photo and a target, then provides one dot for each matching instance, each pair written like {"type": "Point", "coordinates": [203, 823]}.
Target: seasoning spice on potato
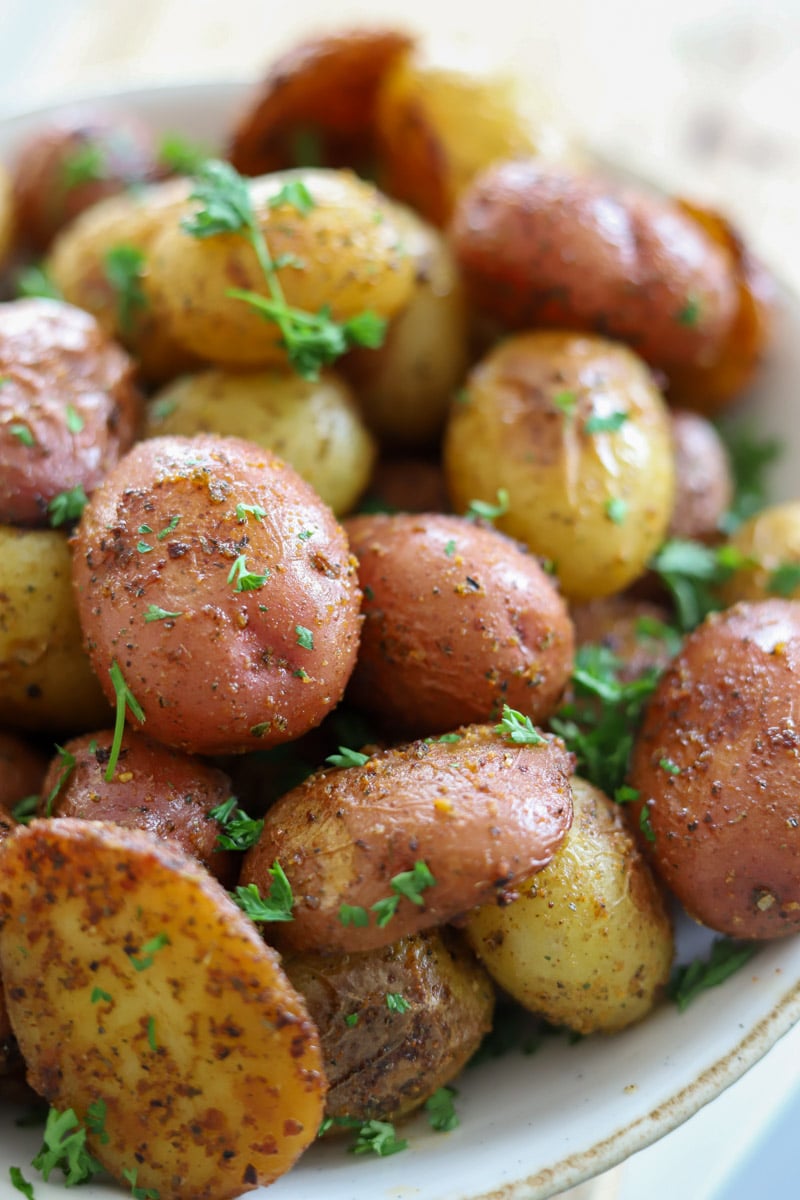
{"type": "Point", "coordinates": [68, 408]}
{"type": "Point", "coordinates": [718, 774]}
{"type": "Point", "coordinates": [458, 620]}
{"type": "Point", "coordinates": [456, 821]}
{"type": "Point", "coordinates": [574, 430]}
{"type": "Point", "coordinates": [223, 589]}
{"type": "Point", "coordinates": [768, 546]}
{"type": "Point", "coordinates": [395, 1023]}
{"type": "Point", "coordinates": [588, 944]}
{"type": "Point", "coordinates": [703, 478]}
{"type": "Point", "coordinates": [135, 983]}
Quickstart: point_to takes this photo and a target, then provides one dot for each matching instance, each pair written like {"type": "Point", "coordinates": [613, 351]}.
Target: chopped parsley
{"type": "Point", "coordinates": [296, 195]}
{"type": "Point", "coordinates": [645, 824]}
{"type": "Point", "coordinates": [64, 1149]}
{"type": "Point", "coordinates": [351, 1019]}
{"type": "Point", "coordinates": [396, 1002]}
{"type": "Point", "coordinates": [74, 420]}
{"type": "Point", "coordinates": [480, 510]}
{"type": "Point", "coordinates": [378, 1137]}
{"type": "Point", "coordinates": [652, 628]}
{"type": "Point", "coordinates": [305, 637]}
{"type": "Point", "coordinates": [145, 960]}
{"type": "Point", "coordinates": [410, 884]}
{"type": "Point", "coordinates": [347, 758]}
{"type": "Point", "coordinates": [130, 1175]}
{"type": "Point", "coordinates": [20, 1183]}
{"type": "Point", "coordinates": [25, 809]}
{"type": "Point", "coordinates": [245, 581]}
{"type": "Point", "coordinates": [726, 957]}
{"type": "Point", "coordinates": [566, 402]}
{"type": "Point", "coordinates": [85, 164]}
{"type": "Point", "coordinates": [254, 510]}
{"type": "Point", "coordinates": [750, 457]}
{"type": "Point", "coordinates": [690, 313]}
{"type": "Point", "coordinates": [693, 574]}
{"type": "Point", "coordinates": [154, 613]}
{"type": "Point", "coordinates": [784, 580]}
{"type": "Point", "coordinates": [616, 510]}
{"type": "Point", "coordinates": [34, 282]}
{"type": "Point", "coordinates": [277, 906]}
{"type": "Point", "coordinates": [69, 761]}
{"type": "Point", "coordinates": [124, 269]}
{"type": "Point", "coordinates": [167, 530]}
{"type": "Point", "coordinates": [519, 729]}
{"type": "Point", "coordinates": [669, 766]}
{"type": "Point", "coordinates": [450, 548]}
{"type": "Point", "coordinates": [151, 1034]}
{"type": "Point", "coordinates": [595, 423]}
{"type": "Point", "coordinates": [441, 1110]}
{"type": "Point", "coordinates": [96, 1120]}
{"type": "Point", "coordinates": [125, 700]}
{"type": "Point", "coordinates": [353, 914]}
{"type": "Point", "coordinates": [99, 995]}
{"type": "Point", "coordinates": [67, 506]}
{"type": "Point", "coordinates": [22, 433]}
{"type": "Point", "coordinates": [178, 154]}
{"type": "Point", "coordinates": [238, 831]}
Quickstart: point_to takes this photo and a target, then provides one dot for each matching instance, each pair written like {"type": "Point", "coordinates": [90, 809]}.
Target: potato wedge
{"type": "Point", "coordinates": [132, 978]}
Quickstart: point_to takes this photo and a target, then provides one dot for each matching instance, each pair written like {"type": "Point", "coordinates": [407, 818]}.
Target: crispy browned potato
{"type": "Point", "coordinates": [316, 106]}
{"type": "Point", "coordinates": [132, 979]}
{"type": "Point", "coordinates": [383, 1057]}
{"type": "Point", "coordinates": [703, 478]}
{"type": "Point", "coordinates": [769, 546]}
{"type": "Point", "coordinates": [588, 944]}
{"type": "Point", "coordinates": [636, 631]}
{"type": "Point", "coordinates": [458, 621]}
{"type": "Point", "coordinates": [717, 769]}
{"type": "Point", "coordinates": [540, 245]}
{"type": "Point", "coordinates": [22, 769]}
{"type": "Point", "coordinates": [153, 788]}
{"type": "Point", "coordinates": [224, 590]}
{"type": "Point", "coordinates": [479, 812]}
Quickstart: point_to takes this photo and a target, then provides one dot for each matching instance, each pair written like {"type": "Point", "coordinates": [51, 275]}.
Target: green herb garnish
{"type": "Point", "coordinates": [125, 700]}
{"type": "Point", "coordinates": [441, 1110]}
{"type": "Point", "coordinates": [347, 758]}
{"type": "Point", "coordinates": [277, 906]}
{"type": "Point", "coordinates": [305, 637]}
{"type": "Point", "coordinates": [481, 510]}
{"type": "Point", "coordinates": [750, 457]}
{"type": "Point", "coordinates": [566, 402]}
{"type": "Point", "coordinates": [35, 283]}
{"type": "Point", "coordinates": [396, 1002]}
{"type": "Point", "coordinates": [254, 510]}
{"type": "Point", "coordinates": [616, 510]}
{"type": "Point", "coordinates": [645, 824]}
{"type": "Point", "coordinates": [784, 580]}
{"type": "Point", "coordinates": [154, 613]}
{"type": "Point", "coordinates": [378, 1137]}
{"type": "Point", "coordinates": [145, 960]}
{"type": "Point", "coordinates": [22, 433]}
{"type": "Point", "coordinates": [608, 424]}
{"type": "Point", "coordinates": [519, 729]}
{"type": "Point", "coordinates": [69, 761]}
{"type": "Point", "coordinates": [64, 1149]}
{"type": "Point", "coordinates": [26, 809]}
{"type": "Point", "coordinates": [74, 420]}
{"type": "Point", "coordinates": [67, 506]}
{"type": "Point", "coordinates": [178, 154]}
{"type": "Point", "coordinates": [130, 1175]}
{"type": "Point", "coordinates": [727, 956]}
{"type": "Point", "coordinates": [85, 164]}
{"type": "Point", "coordinates": [689, 314]}
{"type": "Point", "coordinates": [124, 268]}
{"type": "Point", "coordinates": [246, 581]}
{"type": "Point", "coordinates": [238, 831]}
{"type": "Point", "coordinates": [20, 1183]}
{"type": "Point", "coordinates": [296, 195]}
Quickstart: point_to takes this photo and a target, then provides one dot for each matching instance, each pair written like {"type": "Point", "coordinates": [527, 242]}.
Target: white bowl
{"type": "Point", "coordinates": [530, 1126]}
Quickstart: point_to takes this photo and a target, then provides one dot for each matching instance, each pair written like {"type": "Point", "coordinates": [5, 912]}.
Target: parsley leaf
{"type": "Point", "coordinates": [645, 824]}
{"type": "Point", "coordinates": [25, 809]}
{"type": "Point", "coordinates": [688, 981]}
{"type": "Point", "coordinates": [347, 758]}
{"type": "Point", "coordinates": [441, 1110]}
{"type": "Point", "coordinates": [750, 458]}
{"type": "Point", "coordinates": [277, 906]}
{"type": "Point", "coordinates": [21, 1184]}
{"type": "Point", "coordinates": [130, 1175]}
{"type": "Point", "coordinates": [296, 195]}
{"type": "Point", "coordinates": [64, 1149]}
{"type": "Point", "coordinates": [74, 420]}
{"type": "Point", "coordinates": [305, 638]}
{"type": "Point", "coordinates": [22, 433]}
{"type": "Point", "coordinates": [96, 1120]}
{"type": "Point", "coordinates": [69, 761]}
{"type": "Point", "coordinates": [693, 573]}
{"type": "Point", "coordinates": [255, 510]}
{"type": "Point", "coordinates": [616, 510]}
{"type": "Point", "coordinates": [378, 1137]}
{"type": "Point", "coordinates": [595, 423]}
{"type": "Point", "coordinates": [154, 613]}
{"type": "Point", "coordinates": [239, 832]}
{"type": "Point", "coordinates": [178, 154]}
{"type": "Point", "coordinates": [396, 1002]}
{"type": "Point", "coordinates": [124, 268]}
{"type": "Point", "coordinates": [67, 506]}
{"type": "Point", "coordinates": [690, 313]}
{"type": "Point", "coordinates": [35, 282]}
{"type": "Point", "coordinates": [246, 581]}
{"type": "Point", "coordinates": [481, 510]}
{"type": "Point", "coordinates": [85, 164]}
{"type": "Point", "coordinates": [567, 402]}
{"type": "Point", "coordinates": [353, 914]}
{"type": "Point", "coordinates": [519, 729]}
{"type": "Point", "coordinates": [125, 700]}
{"type": "Point", "coordinates": [144, 960]}
{"type": "Point", "coordinates": [784, 580]}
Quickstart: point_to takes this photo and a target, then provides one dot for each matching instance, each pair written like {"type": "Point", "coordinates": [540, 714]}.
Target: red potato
{"type": "Point", "coordinates": [153, 788]}
{"type": "Point", "coordinates": [479, 811]}
{"type": "Point", "coordinates": [68, 406]}
{"type": "Point", "coordinates": [458, 620]}
{"type": "Point", "coordinates": [223, 588]}
{"type": "Point", "coordinates": [635, 631]}
{"type": "Point", "coordinates": [703, 478]}
{"type": "Point", "coordinates": [718, 772]}
{"type": "Point", "coordinates": [22, 769]}
{"type": "Point", "coordinates": [543, 246]}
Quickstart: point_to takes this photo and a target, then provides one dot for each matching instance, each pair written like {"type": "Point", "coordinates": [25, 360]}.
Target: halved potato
{"type": "Point", "coordinates": [132, 979]}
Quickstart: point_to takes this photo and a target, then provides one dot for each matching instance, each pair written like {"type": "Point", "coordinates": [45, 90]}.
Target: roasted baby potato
{"type": "Point", "coordinates": [343, 253]}
{"type": "Point", "coordinates": [717, 770]}
{"type": "Point", "coordinates": [543, 246]}
{"type": "Point", "coordinates": [223, 589]}
{"type": "Point", "coordinates": [22, 769]}
{"type": "Point", "coordinates": [133, 980]}
{"type": "Point", "coordinates": [68, 408]}
{"type": "Point", "coordinates": [636, 632]}
{"type": "Point", "coordinates": [383, 1057]}
{"type": "Point", "coordinates": [703, 478]}
{"type": "Point", "coordinates": [314, 425]}
{"type": "Point", "coordinates": [458, 621]}
{"type": "Point", "coordinates": [769, 547]}
{"type": "Point", "coordinates": [316, 106]}
{"type": "Point", "coordinates": [46, 682]}
{"type": "Point", "coordinates": [588, 943]}
{"type": "Point", "coordinates": [573, 429]}
{"type": "Point", "coordinates": [463, 818]}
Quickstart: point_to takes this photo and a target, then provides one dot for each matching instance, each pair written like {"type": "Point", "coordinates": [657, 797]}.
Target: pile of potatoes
{"type": "Point", "coordinates": [380, 568]}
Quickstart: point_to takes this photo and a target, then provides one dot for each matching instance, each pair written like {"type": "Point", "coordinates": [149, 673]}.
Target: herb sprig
{"type": "Point", "coordinates": [125, 700]}
{"type": "Point", "coordinates": [726, 957]}
{"type": "Point", "coordinates": [277, 906]}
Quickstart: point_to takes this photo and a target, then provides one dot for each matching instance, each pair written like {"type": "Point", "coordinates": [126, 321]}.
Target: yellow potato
{"type": "Point", "coordinates": [771, 541]}
{"type": "Point", "coordinates": [344, 253]}
{"type": "Point", "coordinates": [134, 983]}
{"type": "Point", "coordinates": [313, 425]}
{"type": "Point", "coordinates": [588, 943]}
{"type": "Point", "coordinates": [46, 682]}
{"type": "Point", "coordinates": [6, 214]}
{"type": "Point", "coordinates": [575, 431]}
{"type": "Point", "coordinates": [405, 387]}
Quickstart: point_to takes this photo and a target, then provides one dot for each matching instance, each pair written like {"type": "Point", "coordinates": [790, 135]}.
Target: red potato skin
{"type": "Point", "coordinates": [52, 356]}
{"type": "Point", "coordinates": [22, 769]}
{"type": "Point", "coordinates": [727, 824]}
{"type": "Point", "coordinates": [458, 620]}
{"type": "Point", "coordinates": [703, 478]}
{"type": "Point", "coordinates": [541, 246]}
{"type": "Point", "coordinates": [482, 813]}
{"type": "Point", "coordinates": [156, 789]}
{"type": "Point", "coordinates": [229, 674]}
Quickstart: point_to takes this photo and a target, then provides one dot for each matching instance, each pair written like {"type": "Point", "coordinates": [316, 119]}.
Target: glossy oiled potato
{"type": "Point", "coordinates": [588, 943]}
{"type": "Point", "coordinates": [46, 682]}
{"type": "Point", "coordinates": [717, 769]}
{"type": "Point", "coordinates": [345, 253]}
{"type": "Point", "coordinates": [313, 424]}
{"type": "Point", "coordinates": [224, 590]}
{"type": "Point", "coordinates": [769, 545]}
{"type": "Point", "coordinates": [574, 430]}
{"type": "Point", "coordinates": [703, 478]}
{"type": "Point", "coordinates": [458, 620]}
{"type": "Point", "coordinates": [22, 769]}
{"type": "Point", "coordinates": [480, 813]}
{"type": "Point", "coordinates": [382, 1062]}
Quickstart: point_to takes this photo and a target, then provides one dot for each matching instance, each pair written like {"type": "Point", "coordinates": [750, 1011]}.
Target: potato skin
{"type": "Point", "coordinates": [388, 1063]}
{"type": "Point", "coordinates": [314, 425]}
{"type": "Point", "coordinates": [542, 246]}
{"type": "Point", "coordinates": [770, 539]}
{"type": "Point", "coordinates": [703, 478]}
{"type": "Point", "coordinates": [53, 359]}
{"type": "Point", "coordinates": [22, 769]}
{"type": "Point", "coordinates": [154, 788]}
{"type": "Point", "coordinates": [588, 944]}
{"type": "Point", "coordinates": [622, 624]}
{"type": "Point", "coordinates": [458, 620]}
{"type": "Point", "coordinates": [46, 682]}
{"type": "Point", "coordinates": [481, 813]}
{"type": "Point", "coordinates": [724, 810]}
{"type": "Point", "coordinates": [508, 431]}
{"type": "Point", "coordinates": [231, 673]}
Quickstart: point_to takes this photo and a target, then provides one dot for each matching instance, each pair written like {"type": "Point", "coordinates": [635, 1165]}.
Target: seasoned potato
{"type": "Point", "coordinates": [7, 228]}
{"type": "Point", "coordinates": [68, 407]}
{"type": "Point", "coordinates": [588, 944]}
{"type": "Point", "coordinates": [717, 769]}
{"type": "Point", "coordinates": [574, 430]}
{"type": "Point", "coordinates": [458, 620]}
{"type": "Point", "coordinates": [703, 478]}
{"type": "Point", "coordinates": [770, 545]}
{"type": "Point", "coordinates": [405, 387]}
{"type": "Point", "coordinates": [22, 769]}
{"type": "Point", "coordinates": [46, 682]}
{"type": "Point", "coordinates": [113, 939]}
{"type": "Point", "coordinates": [344, 253]}
{"type": "Point", "coordinates": [314, 425]}
{"type": "Point", "coordinates": [635, 631]}
{"type": "Point", "coordinates": [316, 105]}
{"type": "Point", "coordinates": [407, 485]}
{"type": "Point", "coordinates": [224, 590]}
{"type": "Point", "coordinates": [153, 788]}
{"type": "Point", "coordinates": [383, 1062]}
{"type": "Point", "coordinates": [543, 246]}
{"type": "Point", "coordinates": [79, 265]}
{"type": "Point", "coordinates": [480, 813]}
